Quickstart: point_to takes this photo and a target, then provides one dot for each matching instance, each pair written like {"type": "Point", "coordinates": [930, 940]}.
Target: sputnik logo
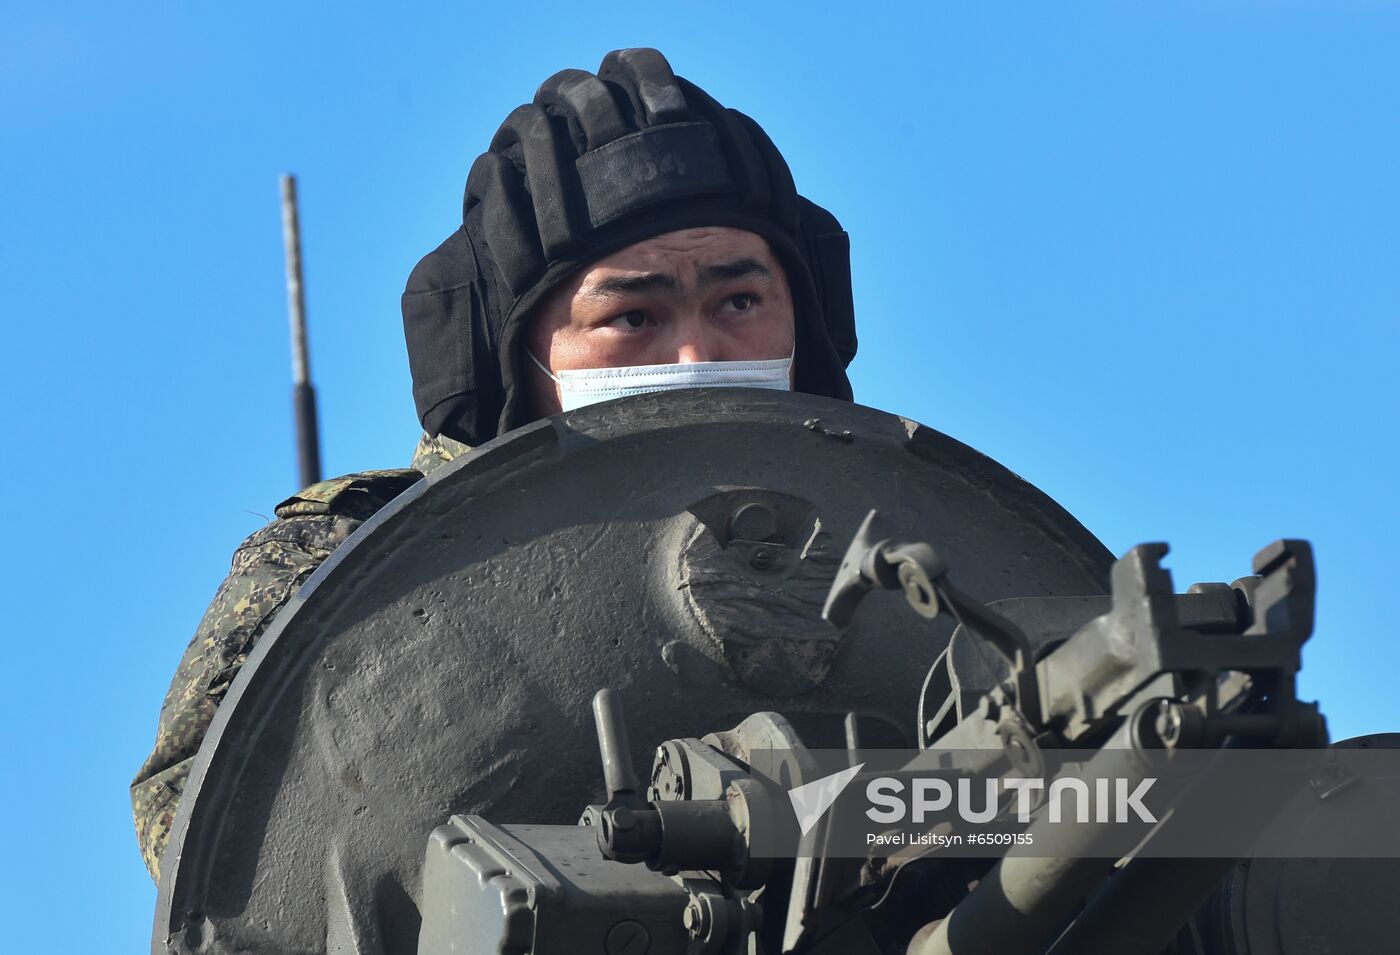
{"type": "Point", "coordinates": [810, 801]}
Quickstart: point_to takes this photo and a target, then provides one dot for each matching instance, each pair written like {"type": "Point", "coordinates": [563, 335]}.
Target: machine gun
{"type": "Point", "coordinates": [433, 683]}
{"type": "Point", "coordinates": [692, 869]}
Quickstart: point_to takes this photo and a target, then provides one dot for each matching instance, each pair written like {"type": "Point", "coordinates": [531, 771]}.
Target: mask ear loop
{"type": "Point", "coordinates": [541, 367]}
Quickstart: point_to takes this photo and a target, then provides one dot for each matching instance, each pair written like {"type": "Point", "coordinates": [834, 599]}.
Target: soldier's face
{"type": "Point", "coordinates": [710, 294]}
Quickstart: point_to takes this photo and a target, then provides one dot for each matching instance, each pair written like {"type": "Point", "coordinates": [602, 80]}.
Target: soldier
{"type": "Point", "coordinates": [624, 233]}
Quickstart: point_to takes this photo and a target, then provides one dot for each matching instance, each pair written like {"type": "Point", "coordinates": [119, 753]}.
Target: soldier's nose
{"type": "Point", "coordinates": [696, 347]}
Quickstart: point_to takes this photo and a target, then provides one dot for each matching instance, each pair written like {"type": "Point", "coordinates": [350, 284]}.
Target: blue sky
{"type": "Point", "coordinates": [1146, 256]}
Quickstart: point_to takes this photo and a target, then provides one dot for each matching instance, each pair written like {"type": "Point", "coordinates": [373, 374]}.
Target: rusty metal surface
{"type": "Point", "coordinates": [443, 660]}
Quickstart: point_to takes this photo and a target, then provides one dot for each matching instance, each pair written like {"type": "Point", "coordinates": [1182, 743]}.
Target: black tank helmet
{"type": "Point", "coordinates": [593, 165]}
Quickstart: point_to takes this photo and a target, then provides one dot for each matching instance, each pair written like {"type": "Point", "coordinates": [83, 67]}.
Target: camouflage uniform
{"type": "Point", "coordinates": [267, 569]}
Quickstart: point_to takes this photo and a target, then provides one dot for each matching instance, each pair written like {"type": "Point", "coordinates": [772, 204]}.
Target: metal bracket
{"type": "Point", "coordinates": [876, 559]}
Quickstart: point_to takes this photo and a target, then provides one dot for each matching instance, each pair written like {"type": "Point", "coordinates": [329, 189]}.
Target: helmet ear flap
{"type": "Point", "coordinates": [456, 385]}
{"type": "Point", "coordinates": [649, 82]}
{"type": "Point", "coordinates": [828, 247]}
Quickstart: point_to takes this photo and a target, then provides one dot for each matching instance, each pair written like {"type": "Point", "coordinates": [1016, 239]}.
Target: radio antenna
{"type": "Point", "coordinates": [303, 394]}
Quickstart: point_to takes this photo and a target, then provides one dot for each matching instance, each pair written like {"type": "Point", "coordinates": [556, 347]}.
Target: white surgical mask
{"type": "Point", "coordinates": [585, 386]}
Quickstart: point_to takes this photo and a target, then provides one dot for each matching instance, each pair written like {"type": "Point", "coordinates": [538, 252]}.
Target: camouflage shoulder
{"type": "Point", "coordinates": [433, 451]}
{"type": "Point", "coordinates": [355, 495]}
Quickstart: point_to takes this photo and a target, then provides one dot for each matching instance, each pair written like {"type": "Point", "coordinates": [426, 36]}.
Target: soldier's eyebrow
{"type": "Point", "coordinates": [727, 271]}
{"type": "Point", "coordinates": [619, 285]}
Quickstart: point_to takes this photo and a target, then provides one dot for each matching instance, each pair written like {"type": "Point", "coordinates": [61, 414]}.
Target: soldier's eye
{"type": "Point", "coordinates": [742, 302]}
{"type": "Point", "coordinates": [628, 320]}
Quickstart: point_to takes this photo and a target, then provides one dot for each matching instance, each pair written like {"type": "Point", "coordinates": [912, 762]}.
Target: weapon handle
{"type": "Point", "coordinates": [618, 774]}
